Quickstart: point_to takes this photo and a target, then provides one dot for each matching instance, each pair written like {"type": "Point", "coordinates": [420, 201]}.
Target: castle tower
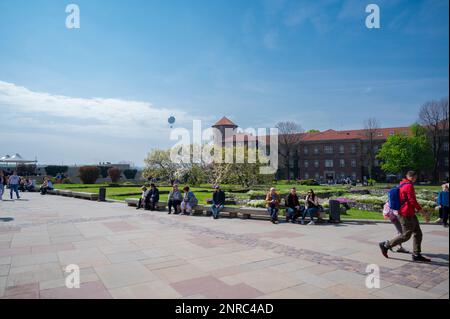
{"type": "Point", "coordinates": [223, 124]}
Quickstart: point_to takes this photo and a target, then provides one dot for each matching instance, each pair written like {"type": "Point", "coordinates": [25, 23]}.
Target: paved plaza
{"type": "Point", "coordinates": [125, 253]}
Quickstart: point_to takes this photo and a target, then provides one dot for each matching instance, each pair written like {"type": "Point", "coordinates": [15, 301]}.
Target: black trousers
{"type": "Point", "coordinates": [443, 213]}
{"type": "Point", "coordinates": [150, 205]}
{"type": "Point", "coordinates": [175, 204]}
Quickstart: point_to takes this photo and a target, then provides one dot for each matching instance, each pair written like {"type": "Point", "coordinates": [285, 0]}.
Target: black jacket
{"type": "Point", "coordinates": [153, 195]}
{"type": "Point", "coordinates": [219, 198]}
{"type": "Point", "coordinates": [292, 201]}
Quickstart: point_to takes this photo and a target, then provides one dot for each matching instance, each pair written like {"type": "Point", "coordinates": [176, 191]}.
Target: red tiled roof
{"type": "Point", "coordinates": [224, 121]}
{"type": "Point", "coordinates": [330, 135]}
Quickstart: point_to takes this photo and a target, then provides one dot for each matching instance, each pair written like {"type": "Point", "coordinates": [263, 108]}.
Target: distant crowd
{"type": "Point", "coordinates": [15, 184]}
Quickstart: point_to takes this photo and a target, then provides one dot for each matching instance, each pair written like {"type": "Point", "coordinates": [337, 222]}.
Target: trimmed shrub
{"type": "Point", "coordinates": [114, 173]}
{"type": "Point", "coordinates": [89, 174]}
{"type": "Point", "coordinates": [309, 182]}
{"type": "Point", "coordinates": [130, 173]}
{"type": "Point", "coordinates": [104, 171]}
{"type": "Point", "coordinates": [53, 170]}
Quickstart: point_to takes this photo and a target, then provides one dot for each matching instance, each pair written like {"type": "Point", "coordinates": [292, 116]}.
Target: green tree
{"type": "Point", "coordinates": [312, 131]}
{"type": "Point", "coordinates": [159, 165]}
{"type": "Point", "coordinates": [402, 153]}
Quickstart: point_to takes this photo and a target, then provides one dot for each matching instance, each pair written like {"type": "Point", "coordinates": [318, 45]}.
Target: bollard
{"type": "Point", "coordinates": [335, 211]}
{"type": "Point", "coordinates": [102, 194]}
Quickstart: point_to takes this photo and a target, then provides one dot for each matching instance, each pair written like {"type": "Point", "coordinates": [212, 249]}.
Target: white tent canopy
{"type": "Point", "coordinates": [16, 159]}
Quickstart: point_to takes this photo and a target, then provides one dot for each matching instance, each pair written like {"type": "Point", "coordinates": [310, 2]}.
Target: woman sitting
{"type": "Point", "coordinates": [273, 204]}
{"type": "Point", "coordinates": [174, 200]}
{"type": "Point", "coordinates": [312, 207]}
{"type": "Point", "coordinates": [189, 201]}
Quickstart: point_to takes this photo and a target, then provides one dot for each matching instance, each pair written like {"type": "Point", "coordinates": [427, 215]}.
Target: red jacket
{"type": "Point", "coordinates": [408, 197]}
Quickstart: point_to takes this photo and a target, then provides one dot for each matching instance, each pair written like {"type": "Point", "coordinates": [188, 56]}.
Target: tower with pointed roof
{"type": "Point", "coordinates": [224, 125]}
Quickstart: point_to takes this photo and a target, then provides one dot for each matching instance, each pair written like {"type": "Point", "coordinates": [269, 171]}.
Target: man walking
{"type": "Point", "coordinates": [408, 219]}
{"type": "Point", "coordinates": [13, 182]}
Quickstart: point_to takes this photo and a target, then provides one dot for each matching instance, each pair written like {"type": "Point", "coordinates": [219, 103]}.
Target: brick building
{"type": "Point", "coordinates": [334, 155]}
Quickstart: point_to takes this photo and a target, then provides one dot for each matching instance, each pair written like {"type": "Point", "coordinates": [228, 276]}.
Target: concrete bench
{"type": "Point", "coordinates": [84, 195]}
{"type": "Point", "coordinates": [247, 212]}
{"type": "Point", "coordinates": [64, 192]}
{"type": "Point", "coordinates": [134, 202]}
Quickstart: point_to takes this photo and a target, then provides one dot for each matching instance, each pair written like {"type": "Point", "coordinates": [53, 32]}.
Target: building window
{"type": "Point", "coordinates": [379, 134]}
{"type": "Point", "coordinates": [342, 175]}
{"type": "Point", "coordinates": [376, 163]}
{"type": "Point", "coordinates": [354, 176]}
{"type": "Point", "coordinates": [341, 149]}
{"type": "Point", "coordinates": [353, 149]}
{"type": "Point", "coordinates": [328, 149]}
{"type": "Point", "coordinates": [316, 163]}
{"type": "Point", "coordinates": [445, 147]}
{"type": "Point", "coordinates": [317, 176]}
{"type": "Point", "coordinates": [306, 176]}
{"type": "Point", "coordinates": [306, 163]}
{"type": "Point", "coordinates": [316, 150]}
{"type": "Point", "coordinates": [342, 163]}
{"type": "Point", "coordinates": [446, 162]}
{"type": "Point", "coordinates": [353, 163]}
{"type": "Point", "coordinates": [391, 133]}
{"type": "Point", "coordinates": [305, 150]}
{"type": "Point", "coordinates": [375, 149]}
{"type": "Point", "coordinates": [328, 163]}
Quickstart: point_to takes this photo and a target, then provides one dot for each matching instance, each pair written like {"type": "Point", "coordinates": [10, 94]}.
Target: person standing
{"type": "Point", "coordinates": [2, 184]}
{"type": "Point", "coordinates": [408, 220]}
{"type": "Point", "coordinates": [218, 201]}
{"type": "Point", "coordinates": [273, 204]}
{"type": "Point", "coordinates": [174, 200]}
{"type": "Point", "coordinates": [443, 205]}
{"type": "Point", "coordinates": [293, 208]}
{"type": "Point", "coordinates": [13, 182]}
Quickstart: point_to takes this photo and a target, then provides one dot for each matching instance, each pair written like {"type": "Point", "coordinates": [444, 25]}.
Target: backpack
{"type": "Point", "coordinates": [394, 197]}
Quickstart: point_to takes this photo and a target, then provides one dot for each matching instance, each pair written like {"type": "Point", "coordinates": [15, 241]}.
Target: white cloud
{"type": "Point", "coordinates": [83, 129]}
{"type": "Point", "coordinates": [106, 116]}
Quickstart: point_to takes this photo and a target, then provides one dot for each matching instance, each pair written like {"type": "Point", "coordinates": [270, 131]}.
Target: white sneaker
{"type": "Point", "coordinates": [438, 221]}
{"type": "Point", "coordinates": [311, 223]}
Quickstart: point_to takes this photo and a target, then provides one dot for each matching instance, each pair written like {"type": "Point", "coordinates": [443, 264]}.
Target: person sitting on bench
{"type": "Point", "coordinates": [312, 207]}
{"type": "Point", "coordinates": [189, 201]}
{"type": "Point", "coordinates": [141, 201]}
{"type": "Point", "coordinates": [293, 207]}
{"type": "Point", "coordinates": [174, 200]}
{"type": "Point", "coordinates": [152, 197]}
{"type": "Point", "coordinates": [218, 201]}
{"type": "Point", "coordinates": [46, 186]}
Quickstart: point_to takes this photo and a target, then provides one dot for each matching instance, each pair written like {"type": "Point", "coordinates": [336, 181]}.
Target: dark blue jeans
{"type": "Point", "coordinates": [273, 212]}
{"type": "Point", "coordinates": [15, 189]}
{"type": "Point", "coordinates": [311, 212]}
{"type": "Point", "coordinates": [216, 210]}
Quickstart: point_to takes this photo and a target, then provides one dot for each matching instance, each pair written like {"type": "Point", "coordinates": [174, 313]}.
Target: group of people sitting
{"type": "Point", "coordinates": [27, 185]}
{"type": "Point", "coordinates": [294, 209]}
{"type": "Point", "coordinates": [180, 202]}
{"type": "Point", "coordinates": [183, 202]}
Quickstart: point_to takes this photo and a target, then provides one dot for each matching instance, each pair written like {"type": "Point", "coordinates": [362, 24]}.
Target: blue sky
{"type": "Point", "coordinates": [103, 92]}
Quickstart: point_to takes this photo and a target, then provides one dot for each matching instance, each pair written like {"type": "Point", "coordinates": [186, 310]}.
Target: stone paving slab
{"type": "Point", "coordinates": [124, 253]}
